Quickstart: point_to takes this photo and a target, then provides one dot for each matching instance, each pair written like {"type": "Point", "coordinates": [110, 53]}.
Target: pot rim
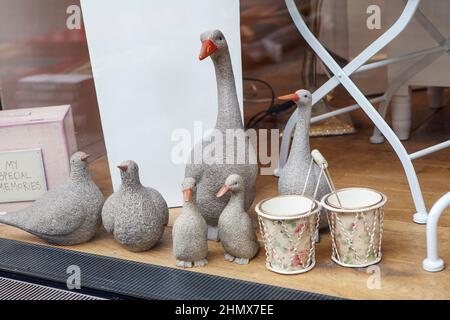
{"type": "Point", "coordinates": [314, 210]}
{"type": "Point", "coordinates": [324, 202]}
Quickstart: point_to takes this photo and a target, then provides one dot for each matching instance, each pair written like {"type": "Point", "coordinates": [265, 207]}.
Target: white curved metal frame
{"type": "Point", "coordinates": [342, 76]}
{"type": "Point", "coordinates": [432, 262]}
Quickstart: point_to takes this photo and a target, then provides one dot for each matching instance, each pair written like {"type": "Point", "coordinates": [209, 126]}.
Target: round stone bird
{"type": "Point", "coordinates": [67, 215]}
{"type": "Point", "coordinates": [135, 215]}
{"type": "Point", "coordinates": [190, 231]}
{"type": "Point", "coordinates": [210, 175]}
{"type": "Point", "coordinates": [295, 172]}
{"type": "Point", "coordinates": [236, 230]}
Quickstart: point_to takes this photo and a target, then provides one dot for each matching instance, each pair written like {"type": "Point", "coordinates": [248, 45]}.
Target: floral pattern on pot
{"type": "Point", "coordinates": [289, 243]}
{"type": "Point", "coordinates": [357, 236]}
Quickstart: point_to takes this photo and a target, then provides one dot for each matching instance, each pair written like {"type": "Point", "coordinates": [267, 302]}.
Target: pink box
{"type": "Point", "coordinates": [74, 89]}
{"type": "Point", "coordinates": [50, 129]}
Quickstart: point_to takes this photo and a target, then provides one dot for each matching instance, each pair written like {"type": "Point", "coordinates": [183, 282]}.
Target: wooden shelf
{"type": "Point", "coordinates": [402, 276]}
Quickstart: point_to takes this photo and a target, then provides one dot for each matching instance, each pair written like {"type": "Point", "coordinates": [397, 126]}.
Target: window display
{"type": "Point", "coordinates": [250, 118]}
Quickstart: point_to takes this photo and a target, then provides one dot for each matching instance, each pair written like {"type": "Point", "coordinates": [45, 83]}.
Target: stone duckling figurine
{"type": "Point", "coordinates": [135, 215]}
{"type": "Point", "coordinates": [209, 176]}
{"type": "Point", "coordinates": [236, 230]}
{"type": "Point", "coordinates": [67, 215]}
{"type": "Point", "coordinates": [190, 231]}
{"type": "Point", "coordinates": [294, 174]}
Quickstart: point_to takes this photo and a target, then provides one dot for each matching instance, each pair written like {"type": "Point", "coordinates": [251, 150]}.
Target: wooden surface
{"type": "Point", "coordinates": [353, 162]}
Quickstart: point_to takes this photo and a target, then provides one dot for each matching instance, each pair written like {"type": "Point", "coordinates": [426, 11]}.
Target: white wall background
{"type": "Point", "coordinates": [149, 80]}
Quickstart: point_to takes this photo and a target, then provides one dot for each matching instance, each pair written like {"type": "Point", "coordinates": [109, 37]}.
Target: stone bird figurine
{"type": "Point", "coordinates": [294, 174]}
{"type": "Point", "coordinates": [209, 177]}
{"type": "Point", "coordinates": [236, 230]}
{"type": "Point", "coordinates": [135, 215]}
{"type": "Point", "coordinates": [190, 231]}
{"type": "Point", "coordinates": [67, 215]}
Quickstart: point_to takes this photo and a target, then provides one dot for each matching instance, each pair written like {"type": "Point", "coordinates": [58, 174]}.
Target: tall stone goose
{"type": "Point", "coordinates": [210, 175]}
{"type": "Point", "coordinates": [293, 175]}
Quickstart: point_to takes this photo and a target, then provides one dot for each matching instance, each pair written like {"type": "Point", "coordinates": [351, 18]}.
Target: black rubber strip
{"type": "Point", "coordinates": [11, 289]}
{"type": "Point", "coordinates": [135, 279]}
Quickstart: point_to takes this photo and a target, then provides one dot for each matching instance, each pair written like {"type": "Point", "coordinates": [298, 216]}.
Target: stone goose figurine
{"type": "Point", "coordinates": [67, 215]}
{"type": "Point", "coordinates": [293, 175]}
{"type": "Point", "coordinates": [190, 231]}
{"type": "Point", "coordinates": [209, 177]}
{"type": "Point", "coordinates": [236, 230]}
{"type": "Point", "coordinates": [135, 215]}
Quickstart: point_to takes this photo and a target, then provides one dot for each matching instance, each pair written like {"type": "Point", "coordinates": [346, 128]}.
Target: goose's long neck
{"type": "Point", "coordinates": [301, 150]}
{"type": "Point", "coordinates": [191, 206]}
{"type": "Point", "coordinates": [237, 199]}
{"type": "Point", "coordinates": [229, 113]}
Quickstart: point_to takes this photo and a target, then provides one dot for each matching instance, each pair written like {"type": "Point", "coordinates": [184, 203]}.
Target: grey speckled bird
{"type": "Point", "coordinates": [210, 176]}
{"type": "Point", "coordinates": [236, 230]}
{"type": "Point", "coordinates": [69, 214]}
{"type": "Point", "coordinates": [190, 231]}
{"type": "Point", "coordinates": [135, 215]}
{"type": "Point", "coordinates": [293, 175]}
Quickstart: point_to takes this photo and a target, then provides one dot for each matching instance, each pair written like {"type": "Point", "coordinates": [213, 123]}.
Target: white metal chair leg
{"type": "Point", "coordinates": [411, 71]}
{"type": "Point", "coordinates": [399, 81]}
{"type": "Point", "coordinates": [342, 76]}
{"type": "Point", "coordinates": [352, 67]}
{"type": "Point", "coordinates": [433, 263]}
{"type": "Point", "coordinates": [401, 114]}
{"type": "Point", "coordinates": [377, 137]}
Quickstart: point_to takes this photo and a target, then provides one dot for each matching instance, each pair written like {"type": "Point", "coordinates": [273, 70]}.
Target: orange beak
{"type": "Point", "coordinates": [208, 48]}
{"type": "Point", "coordinates": [187, 195]}
{"type": "Point", "coordinates": [222, 191]}
{"type": "Point", "coordinates": [123, 167]}
{"type": "Point", "coordinates": [84, 157]}
{"type": "Point", "coordinates": [290, 97]}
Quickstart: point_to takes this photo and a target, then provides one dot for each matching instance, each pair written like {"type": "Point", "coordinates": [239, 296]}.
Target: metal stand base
{"type": "Point", "coordinates": [433, 263]}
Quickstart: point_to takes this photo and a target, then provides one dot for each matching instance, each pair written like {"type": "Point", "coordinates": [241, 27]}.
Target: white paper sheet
{"type": "Point", "coordinates": [149, 80]}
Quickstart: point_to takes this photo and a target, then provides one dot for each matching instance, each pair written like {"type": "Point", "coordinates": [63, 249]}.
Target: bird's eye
{"type": "Point", "coordinates": [305, 96]}
{"type": "Point", "coordinates": [220, 38]}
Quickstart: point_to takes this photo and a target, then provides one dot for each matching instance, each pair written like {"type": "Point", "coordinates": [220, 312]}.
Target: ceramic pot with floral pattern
{"type": "Point", "coordinates": [289, 225]}
{"type": "Point", "coordinates": [355, 218]}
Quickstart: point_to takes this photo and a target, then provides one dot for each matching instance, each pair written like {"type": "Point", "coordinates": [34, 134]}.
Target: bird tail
{"type": "Point", "coordinates": [10, 219]}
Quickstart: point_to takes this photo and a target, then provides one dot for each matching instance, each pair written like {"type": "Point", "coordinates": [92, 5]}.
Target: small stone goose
{"type": "Point", "coordinates": [236, 230]}
{"type": "Point", "coordinates": [294, 174]}
{"type": "Point", "coordinates": [67, 215]}
{"type": "Point", "coordinates": [190, 231]}
{"type": "Point", "coordinates": [210, 176]}
{"type": "Point", "coordinates": [135, 215]}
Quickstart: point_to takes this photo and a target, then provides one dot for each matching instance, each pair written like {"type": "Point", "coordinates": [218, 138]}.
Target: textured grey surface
{"type": "Point", "coordinates": [67, 215]}
{"type": "Point", "coordinates": [210, 177]}
{"type": "Point", "coordinates": [135, 215]}
{"type": "Point", "coordinates": [18, 290]}
{"type": "Point", "coordinates": [236, 231]}
{"type": "Point", "coordinates": [294, 174]}
{"type": "Point", "coordinates": [190, 242]}
{"type": "Point", "coordinates": [135, 279]}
